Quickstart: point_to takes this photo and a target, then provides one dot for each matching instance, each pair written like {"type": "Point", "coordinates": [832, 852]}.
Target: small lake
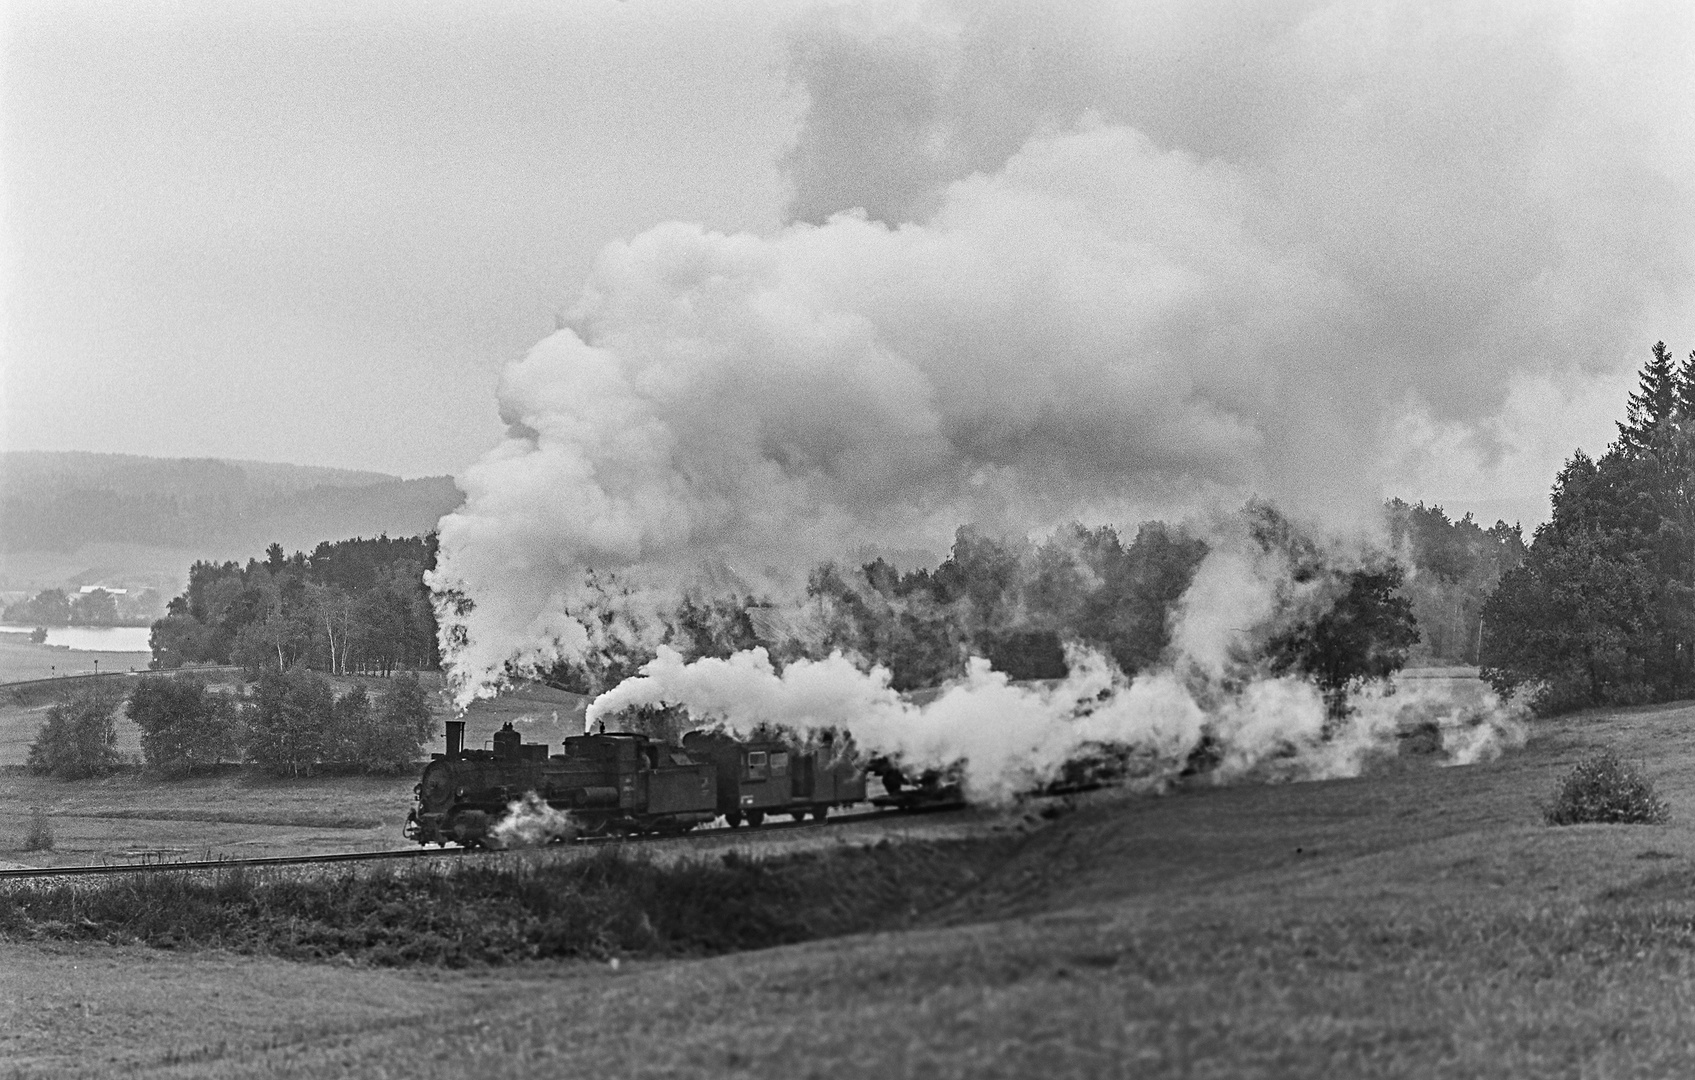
{"type": "Point", "coordinates": [129, 639]}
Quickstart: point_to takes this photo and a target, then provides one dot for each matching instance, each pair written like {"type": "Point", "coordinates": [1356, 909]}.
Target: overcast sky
{"type": "Point", "coordinates": [319, 233]}
{"type": "Point", "coordinates": [315, 232]}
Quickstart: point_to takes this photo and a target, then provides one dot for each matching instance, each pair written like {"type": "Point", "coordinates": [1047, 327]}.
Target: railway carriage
{"type": "Point", "coordinates": [768, 776]}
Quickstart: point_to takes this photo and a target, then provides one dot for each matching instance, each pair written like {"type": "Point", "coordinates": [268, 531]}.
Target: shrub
{"type": "Point", "coordinates": [296, 724]}
{"type": "Point", "coordinates": [40, 835]}
{"type": "Point", "coordinates": [402, 724]}
{"type": "Point", "coordinates": [351, 732]}
{"type": "Point", "coordinates": [289, 723]}
{"type": "Point", "coordinates": [1601, 788]}
{"type": "Point", "coordinates": [183, 724]}
{"type": "Point", "coordinates": [594, 905]}
{"type": "Point", "coordinates": [79, 739]}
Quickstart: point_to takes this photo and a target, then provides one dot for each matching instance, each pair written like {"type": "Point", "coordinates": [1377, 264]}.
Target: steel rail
{"type": "Point", "coordinates": [224, 864]}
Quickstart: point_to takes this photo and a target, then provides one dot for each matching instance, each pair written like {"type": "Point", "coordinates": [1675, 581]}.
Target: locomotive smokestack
{"type": "Point", "coordinates": [455, 738]}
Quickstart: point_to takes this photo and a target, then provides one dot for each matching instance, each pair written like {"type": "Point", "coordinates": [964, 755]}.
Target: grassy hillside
{"type": "Point", "coordinates": [1419, 922]}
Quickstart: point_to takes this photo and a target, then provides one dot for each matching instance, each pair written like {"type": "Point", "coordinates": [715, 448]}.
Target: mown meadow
{"type": "Point", "coordinates": [1416, 921]}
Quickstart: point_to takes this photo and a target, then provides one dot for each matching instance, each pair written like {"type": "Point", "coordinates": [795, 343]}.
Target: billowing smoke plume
{"type": "Point", "coordinates": [1494, 190]}
{"type": "Point", "coordinates": [1112, 264]}
{"type": "Point", "coordinates": [1215, 708]}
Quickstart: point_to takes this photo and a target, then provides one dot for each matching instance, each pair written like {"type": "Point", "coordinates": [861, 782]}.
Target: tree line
{"type": "Point", "coordinates": [352, 607]}
{"type": "Point", "coordinates": [97, 607]}
{"type": "Point", "coordinates": [1019, 603]}
{"type": "Point", "coordinates": [289, 723]}
{"type": "Point", "coordinates": [1602, 609]}
{"type": "Point", "coordinates": [355, 606]}
{"type": "Point", "coordinates": [1456, 566]}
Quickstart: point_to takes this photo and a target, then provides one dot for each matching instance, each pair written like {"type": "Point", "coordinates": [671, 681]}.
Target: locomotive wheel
{"type": "Point", "coordinates": [798, 815]}
{"type": "Point", "coordinates": [755, 818]}
{"type": "Point", "coordinates": [819, 813]}
{"type": "Point", "coordinates": [468, 827]}
{"type": "Point", "coordinates": [734, 818]}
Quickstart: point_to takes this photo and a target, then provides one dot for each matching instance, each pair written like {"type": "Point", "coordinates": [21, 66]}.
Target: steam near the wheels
{"type": "Point", "coordinates": [1102, 264]}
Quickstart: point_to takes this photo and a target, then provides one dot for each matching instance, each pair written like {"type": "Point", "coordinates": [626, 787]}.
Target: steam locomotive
{"type": "Point", "coordinates": [620, 783]}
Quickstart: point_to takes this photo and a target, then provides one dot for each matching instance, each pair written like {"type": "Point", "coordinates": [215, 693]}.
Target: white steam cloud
{"type": "Point", "coordinates": [531, 822]}
{"type": "Point", "coordinates": [1107, 262]}
{"type": "Point", "coordinates": [1011, 738]}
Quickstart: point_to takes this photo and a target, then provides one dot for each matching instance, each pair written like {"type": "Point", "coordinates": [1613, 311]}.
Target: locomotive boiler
{"type": "Point", "coordinates": [610, 783]}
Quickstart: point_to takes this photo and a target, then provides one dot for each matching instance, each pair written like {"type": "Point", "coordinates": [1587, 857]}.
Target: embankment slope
{"type": "Point", "coordinates": [1418, 922]}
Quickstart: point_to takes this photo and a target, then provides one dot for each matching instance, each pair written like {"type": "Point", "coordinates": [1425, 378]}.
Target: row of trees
{"type": "Point", "coordinates": [292, 724]}
{"type": "Point", "coordinates": [97, 607]}
{"type": "Point", "coordinates": [1018, 604]}
{"type": "Point", "coordinates": [1456, 566]}
{"type": "Point", "coordinates": [1009, 600]}
{"type": "Point", "coordinates": [351, 607]}
{"type": "Point", "coordinates": [1602, 609]}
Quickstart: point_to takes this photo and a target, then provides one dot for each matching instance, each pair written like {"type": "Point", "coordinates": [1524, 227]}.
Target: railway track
{"type": "Point", "coordinates": [226, 864]}
{"type": "Point", "coordinates": [446, 852]}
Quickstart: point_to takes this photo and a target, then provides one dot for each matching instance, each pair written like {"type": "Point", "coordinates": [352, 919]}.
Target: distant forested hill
{"type": "Point", "coordinates": [63, 501]}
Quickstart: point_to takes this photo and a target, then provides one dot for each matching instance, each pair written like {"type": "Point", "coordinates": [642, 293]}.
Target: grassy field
{"type": "Point", "coordinates": [132, 815]}
{"type": "Point", "coordinates": [1417, 922]}
{"type": "Point", "coordinates": [128, 816]}
{"type": "Point", "coordinates": [541, 713]}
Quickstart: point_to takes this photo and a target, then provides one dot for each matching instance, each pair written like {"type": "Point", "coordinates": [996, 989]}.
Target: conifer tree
{"type": "Point", "coordinates": [1655, 401]}
{"type": "Point", "coordinates": [1686, 387]}
{"type": "Point", "coordinates": [1603, 610]}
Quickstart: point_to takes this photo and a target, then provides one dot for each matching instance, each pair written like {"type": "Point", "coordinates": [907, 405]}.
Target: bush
{"type": "Point", "coordinates": [403, 723]}
{"type": "Point", "coordinates": [295, 724]}
{"type": "Point", "coordinates": [183, 724]}
{"type": "Point", "coordinates": [602, 903]}
{"type": "Point", "coordinates": [290, 722]}
{"type": "Point", "coordinates": [79, 739]}
{"type": "Point", "coordinates": [351, 732]}
{"type": "Point", "coordinates": [1603, 789]}
{"type": "Point", "coordinates": [40, 835]}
